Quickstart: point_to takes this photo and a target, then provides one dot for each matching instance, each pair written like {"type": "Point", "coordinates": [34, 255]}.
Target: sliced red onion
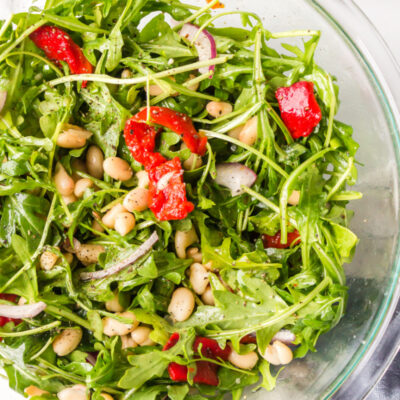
{"type": "Point", "coordinates": [3, 98]}
{"type": "Point", "coordinates": [144, 248]}
{"type": "Point", "coordinates": [234, 176]}
{"type": "Point", "coordinates": [205, 44]}
{"type": "Point", "coordinates": [92, 358]}
{"type": "Point", "coordinates": [25, 311]}
{"type": "Point", "coordinates": [285, 336]}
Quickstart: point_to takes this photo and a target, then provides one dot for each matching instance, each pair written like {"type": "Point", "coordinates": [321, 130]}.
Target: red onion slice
{"type": "Point", "coordinates": [285, 336]}
{"type": "Point", "coordinates": [204, 44]}
{"type": "Point", "coordinates": [144, 248]}
{"type": "Point", "coordinates": [25, 311]}
{"type": "Point", "coordinates": [3, 99]}
{"type": "Point", "coordinates": [234, 175]}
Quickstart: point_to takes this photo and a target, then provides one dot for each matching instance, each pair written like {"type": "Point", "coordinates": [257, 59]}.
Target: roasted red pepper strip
{"type": "Point", "coordinates": [140, 139]}
{"type": "Point", "coordinates": [59, 46]}
{"type": "Point", "coordinates": [275, 241]}
{"type": "Point", "coordinates": [167, 191]}
{"type": "Point", "coordinates": [299, 109]}
{"type": "Point", "coordinates": [210, 348]}
{"type": "Point", "coordinates": [179, 123]}
{"type": "Point", "coordinates": [206, 372]}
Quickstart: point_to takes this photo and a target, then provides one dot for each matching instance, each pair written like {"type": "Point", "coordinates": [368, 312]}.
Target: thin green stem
{"type": "Point", "coordinates": [140, 79]}
{"type": "Point", "coordinates": [342, 178]}
{"type": "Point", "coordinates": [46, 61]}
{"type": "Point", "coordinates": [62, 312]}
{"type": "Point", "coordinates": [278, 120]}
{"type": "Point", "coordinates": [15, 43]}
{"type": "Point", "coordinates": [277, 317]}
{"type": "Point", "coordinates": [283, 201]}
{"type": "Point", "coordinates": [30, 332]}
{"type": "Point", "coordinates": [6, 24]}
{"type": "Point", "coordinates": [262, 199]}
{"type": "Point", "coordinates": [332, 110]}
{"type": "Point", "coordinates": [196, 14]}
{"type": "Point", "coordinates": [229, 139]}
{"type": "Point", "coordinates": [287, 34]}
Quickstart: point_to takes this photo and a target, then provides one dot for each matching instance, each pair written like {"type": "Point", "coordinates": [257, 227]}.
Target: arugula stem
{"type": "Point", "coordinates": [226, 138]}
{"type": "Point", "coordinates": [287, 34]}
{"type": "Point", "coordinates": [15, 43]}
{"type": "Point", "coordinates": [262, 199]}
{"type": "Point", "coordinates": [62, 312]}
{"type": "Point", "coordinates": [6, 24]}
{"type": "Point", "coordinates": [195, 15]}
{"type": "Point", "coordinates": [347, 196]}
{"type": "Point", "coordinates": [283, 201]}
{"type": "Point", "coordinates": [278, 120]}
{"type": "Point", "coordinates": [62, 372]}
{"type": "Point", "coordinates": [141, 79]}
{"type": "Point", "coordinates": [44, 60]}
{"type": "Point", "coordinates": [29, 264]}
{"type": "Point", "coordinates": [332, 110]}
{"type": "Point", "coordinates": [342, 178]}
{"type": "Point", "coordinates": [35, 331]}
{"type": "Point", "coordinates": [277, 317]}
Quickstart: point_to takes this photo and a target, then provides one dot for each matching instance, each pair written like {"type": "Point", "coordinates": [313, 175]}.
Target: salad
{"type": "Point", "coordinates": [173, 200]}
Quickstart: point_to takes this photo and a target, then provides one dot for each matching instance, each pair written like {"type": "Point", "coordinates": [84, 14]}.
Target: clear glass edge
{"type": "Point", "coordinates": [391, 105]}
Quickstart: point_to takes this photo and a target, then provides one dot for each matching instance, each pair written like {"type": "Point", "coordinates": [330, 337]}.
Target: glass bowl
{"type": "Point", "coordinates": [351, 358]}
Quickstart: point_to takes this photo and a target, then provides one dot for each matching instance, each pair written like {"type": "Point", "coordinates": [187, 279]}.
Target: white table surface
{"type": "Point", "coordinates": [383, 13]}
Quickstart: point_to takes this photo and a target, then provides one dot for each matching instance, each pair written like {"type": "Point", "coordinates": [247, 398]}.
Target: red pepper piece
{"type": "Point", "coordinates": [167, 191]}
{"type": "Point", "coordinates": [179, 123]}
{"type": "Point", "coordinates": [251, 338]}
{"type": "Point", "coordinates": [177, 372]}
{"type": "Point", "coordinates": [210, 348]}
{"type": "Point", "coordinates": [206, 373]}
{"type": "Point", "coordinates": [275, 241]}
{"type": "Point", "coordinates": [299, 109]}
{"type": "Point", "coordinates": [140, 139]}
{"type": "Point", "coordinates": [59, 46]}
{"type": "Point", "coordinates": [172, 341]}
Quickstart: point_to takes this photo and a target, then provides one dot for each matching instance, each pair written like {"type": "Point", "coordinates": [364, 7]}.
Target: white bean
{"type": "Point", "coordinates": [68, 257]}
{"type": "Point", "coordinates": [141, 336]}
{"type": "Point", "coordinates": [182, 304]}
{"type": "Point", "coordinates": [278, 353]}
{"type": "Point", "coordinates": [243, 361]}
{"type": "Point", "coordinates": [248, 135]}
{"type": "Point", "coordinates": [63, 182]}
{"type": "Point", "coordinates": [137, 200]}
{"type": "Point", "coordinates": [97, 227]}
{"type": "Point", "coordinates": [193, 86]}
{"type": "Point", "coordinates": [199, 278]}
{"type": "Point", "coordinates": [112, 327]}
{"type": "Point", "coordinates": [89, 253]}
{"type": "Point", "coordinates": [117, 168]}
{"type": "Point", "coordinates": [195, 254]}
{"type": "Point", "coordinates": [183, 239]}
{"type": "Point", "coordinates": [48, 260]}
{"type": "Point", "coordinates": [110, 216]}
{"type": "Point", "coordinates": [80, 166]}
{"type": "Point", "coordinates": [69, 199]}
{"type": "Point", "coordinates": [114, 305]}
{"type": "Point", "coordinates": [208, 297]}
{"type": "Point", "coordinates": [218, 108]}
{"type": "Point", "coordinates": [128, 342]}
{"type": "Point", "coordinates": [94, 162]}
{"type": "Point", "coordinates": [32, 391]}
{"type": "Point", "coordinates": [124, 223]}
{"type": "Point", "coordinates": [193, 162]}
{"type": "Point", "coordinates": [67, 341]}
{"type": "Point", "coordinates": [81, 185]}
{"type": "Point", "coordinates": [143, 179]}
{"type": "Point", "coordinates": [126, 73]}
{"type": "Point", "coordinates": [73, 137]}
{"type": "Point", "coordinates": [106, 396]}
{"type": "Point", "coordinates": [155, 90]}
{"type": "Point", "coordinates": [22, 301]}
{"type": "Point", "coordinates": [235, 132]}
{"type": "Point", "coordinates": [77, 392]}
{"type": "Point", "coordinates": [294, 198]}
